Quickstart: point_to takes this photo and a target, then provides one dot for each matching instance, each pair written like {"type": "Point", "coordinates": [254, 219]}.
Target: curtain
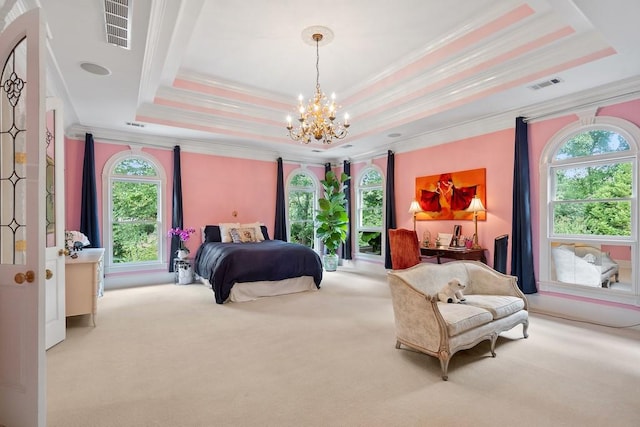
{"type": "Point", "coordinates": [522, 247]}
{"type": "Point", "coordinates": [176, 206]}
{"type": "Point", "coordinates": [280, 229]}
{"type": "Point", "coordinates": [89, 205]}
{"type": "Point", "coordinates": [390, 217]}
{"type": "Point", "coordinates": [346, 248]}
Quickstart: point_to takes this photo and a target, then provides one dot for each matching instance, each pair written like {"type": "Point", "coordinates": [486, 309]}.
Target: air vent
{"type": "Point", "coordinates": [117, 14]}
{"type": "Point", "coordinates": [546, 83]}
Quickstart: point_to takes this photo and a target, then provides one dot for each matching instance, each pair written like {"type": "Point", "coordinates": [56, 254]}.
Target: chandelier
{"type": "Point", "coordinates": [317, 118]}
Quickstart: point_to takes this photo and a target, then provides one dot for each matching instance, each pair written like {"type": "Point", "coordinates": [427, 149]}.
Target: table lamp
{"type": "Point", "coordinates": [475, 206]}
{"type": "Point", "coordinates": [414, 209]}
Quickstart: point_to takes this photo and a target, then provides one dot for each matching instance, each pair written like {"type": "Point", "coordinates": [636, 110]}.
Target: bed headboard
{"type": "Point", "coordinates": [211, 233]}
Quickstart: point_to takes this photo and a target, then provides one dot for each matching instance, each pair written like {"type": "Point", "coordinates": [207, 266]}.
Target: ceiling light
{"type": "Point", "coordinates": [317, 118]}
{"type": "Point", "coordinates": [92, 68]}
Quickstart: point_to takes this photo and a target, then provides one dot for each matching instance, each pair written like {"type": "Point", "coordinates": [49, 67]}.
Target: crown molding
{"type": "Point", "coordinates": [227, 85]}
{"type": "Point", "coordinates": [475, 23]}
{"type": "Point", "coordinates": [614, 93]}
{"type": "Point", "coordinates": [295, 153]}
{"type": "Point", "coordinates": [622, 91]}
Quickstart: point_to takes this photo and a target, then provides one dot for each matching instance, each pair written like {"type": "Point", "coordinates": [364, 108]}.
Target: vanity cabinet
{"type": "Point", "coordinates": [84, 281]}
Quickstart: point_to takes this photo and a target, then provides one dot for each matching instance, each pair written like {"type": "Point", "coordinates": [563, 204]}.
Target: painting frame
{"type": "Point", "coordinates": [445, 196]}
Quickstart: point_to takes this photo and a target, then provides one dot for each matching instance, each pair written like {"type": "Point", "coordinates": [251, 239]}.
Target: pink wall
{"type": "Point", "coordinates": [491, 151]}
{"type": "Point", "coordinates": [213, 186]}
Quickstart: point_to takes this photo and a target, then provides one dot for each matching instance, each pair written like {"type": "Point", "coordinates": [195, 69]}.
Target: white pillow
{"type": "Point", "coordinates": [225, 228]}
{"type": "Point", "coordinates": [256, 226]}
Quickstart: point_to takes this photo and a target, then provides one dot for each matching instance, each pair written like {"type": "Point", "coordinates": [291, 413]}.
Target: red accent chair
{"type": "Point", "coordinates": [405, 249]}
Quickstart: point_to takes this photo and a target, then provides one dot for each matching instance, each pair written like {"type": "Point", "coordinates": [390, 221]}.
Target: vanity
{"type": "Point", "coordinates": [84, 281]}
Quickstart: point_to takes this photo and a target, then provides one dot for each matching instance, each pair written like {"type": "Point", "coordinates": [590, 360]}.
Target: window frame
{"type": "Point", "coordinates": [108, 178]}
{"type": "Point", "coordinates": [316, 188]}
{"type": "Point", "coordinates": [547, 236]}
{"type": "Point", "coordinates": [357, 213]}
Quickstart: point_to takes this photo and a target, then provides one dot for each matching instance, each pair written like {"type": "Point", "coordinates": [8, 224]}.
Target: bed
{"type": "Point", "coordinates": [250, 267]}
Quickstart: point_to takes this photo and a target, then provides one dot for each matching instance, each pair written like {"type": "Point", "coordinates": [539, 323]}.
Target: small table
{"type": "Point", "coordinates": [454, 253]}
{"type": "Point", "coordinates": [183, 269]}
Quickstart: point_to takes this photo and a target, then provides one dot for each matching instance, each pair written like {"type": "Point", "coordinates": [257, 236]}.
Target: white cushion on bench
{"type": "Point", "coordinates": [462, 317]}
{"type": "Point", "coordinates": [498, 305]}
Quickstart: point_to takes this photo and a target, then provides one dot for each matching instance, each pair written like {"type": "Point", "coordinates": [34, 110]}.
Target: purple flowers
{"type": "Point", "coordinates": [184, 234]}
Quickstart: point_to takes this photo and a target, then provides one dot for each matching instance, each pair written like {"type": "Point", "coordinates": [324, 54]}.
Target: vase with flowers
{"type": "Point", "coordinates": [183, 234]}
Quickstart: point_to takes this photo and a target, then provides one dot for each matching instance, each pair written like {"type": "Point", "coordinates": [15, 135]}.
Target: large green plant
{"type": "Point", "coordinates": [332, 221]}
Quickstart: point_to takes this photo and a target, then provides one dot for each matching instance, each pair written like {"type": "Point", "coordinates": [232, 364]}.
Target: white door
{"type": "Point", "coordinates": [22, 213]}
{"type": "Point", "coordinates": [55, 320]}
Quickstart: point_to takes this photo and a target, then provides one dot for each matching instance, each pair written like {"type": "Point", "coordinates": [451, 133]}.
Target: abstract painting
{"type": "Point", "coordinates": [447, 195]}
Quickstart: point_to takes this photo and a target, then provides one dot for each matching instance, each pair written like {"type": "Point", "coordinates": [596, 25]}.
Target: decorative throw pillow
{"type": "Point", "coordinates": [211, 233]}
{"type": "Point", "coordinates": [235, 235]}
{"type": "Point", "coordinates": [225, 227]}
{"type": "Point", "coordinates": [258, 231]}
{"type": "Point", "coordinates": [243, 235]}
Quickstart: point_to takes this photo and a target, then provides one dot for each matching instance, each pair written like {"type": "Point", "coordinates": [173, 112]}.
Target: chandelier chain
{"type": "Point", "coordinates": [318, 62]}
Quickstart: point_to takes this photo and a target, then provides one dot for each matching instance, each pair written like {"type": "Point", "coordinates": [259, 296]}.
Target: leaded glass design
{"type": "Point", "coordinates": [13, 158]}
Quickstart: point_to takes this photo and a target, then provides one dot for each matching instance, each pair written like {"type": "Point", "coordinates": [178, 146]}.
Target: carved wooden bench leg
{"type": "Point", "coordinates": [444, 364]}
{"type": "Point", "coordinates": [494, 339]}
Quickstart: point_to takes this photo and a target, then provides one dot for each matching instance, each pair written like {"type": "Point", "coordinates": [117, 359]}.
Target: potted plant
{"type": "Point", "coordinates": [332, 221]}
{"type": "Point", "coordinates": [184, 235]}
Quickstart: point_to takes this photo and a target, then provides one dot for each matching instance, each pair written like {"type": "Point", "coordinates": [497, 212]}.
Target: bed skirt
{"type": "Point", "coordinates": [249, 291]}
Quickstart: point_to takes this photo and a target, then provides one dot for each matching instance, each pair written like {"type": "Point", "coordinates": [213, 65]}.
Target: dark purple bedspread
{"type": "Point", "coordinates": [224, 264]}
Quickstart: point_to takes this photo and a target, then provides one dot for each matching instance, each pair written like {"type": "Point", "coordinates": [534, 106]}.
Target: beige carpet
{"type": "Point", "coordinates": [169, 356]}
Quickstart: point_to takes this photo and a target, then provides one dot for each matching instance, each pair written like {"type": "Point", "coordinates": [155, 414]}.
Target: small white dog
{"type": "Point", "coordinates": [452, 292]}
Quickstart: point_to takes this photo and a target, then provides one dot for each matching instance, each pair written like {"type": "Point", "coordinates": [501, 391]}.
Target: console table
{"type": "Point", "coordinates": [453, 253]}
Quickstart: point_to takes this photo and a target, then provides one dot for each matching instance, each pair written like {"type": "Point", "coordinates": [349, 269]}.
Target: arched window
{"type": "Point", "coordinates": [302, 199]}
{"type": "Point", "coordinates": [133, 218]}
{"type": "Point", "coordinates": [369, 212]}
{"type": "Point", "coordinates": [590, 237]}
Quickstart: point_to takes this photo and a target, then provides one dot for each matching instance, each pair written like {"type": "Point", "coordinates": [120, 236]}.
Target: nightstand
{"type": "Point", "coordinates": [183, 269]}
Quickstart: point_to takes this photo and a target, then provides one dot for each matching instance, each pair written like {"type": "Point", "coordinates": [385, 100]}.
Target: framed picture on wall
{"type": "Point", "coordinates": [448, 195]}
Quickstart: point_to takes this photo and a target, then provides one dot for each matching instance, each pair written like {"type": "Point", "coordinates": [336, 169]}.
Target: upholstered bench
{"type": "Point", "coordinates": [493, 304]}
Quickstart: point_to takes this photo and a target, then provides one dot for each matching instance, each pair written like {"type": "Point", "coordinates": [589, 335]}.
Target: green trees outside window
{"type": "Point", "coordinates": [592, 198]}
{"type": "Point", "coordinates": [135, 212]}
{"type": "Point", "coordinates": [370, 215]}
{"type": "Point", "coordinates": [301, 209]}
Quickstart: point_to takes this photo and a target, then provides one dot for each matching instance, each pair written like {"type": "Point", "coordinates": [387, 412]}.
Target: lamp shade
{"type": "Point", "coordinates": [415, 207]}
{"type": "Point", "coordinates": [475, 205]}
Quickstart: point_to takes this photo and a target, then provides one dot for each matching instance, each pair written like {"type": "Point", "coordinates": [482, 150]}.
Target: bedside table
{"type": "Point", "coordinates": [183, 268]}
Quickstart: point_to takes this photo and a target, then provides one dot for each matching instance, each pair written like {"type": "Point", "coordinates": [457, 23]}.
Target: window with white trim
{"type": "Point", "coordinates": [134, 185]}
{"type": "Point", "coordinates": [369, 212]}
{"type": "Point", "coordinates": [302, 200]}
{"type": "Point", "coordinates": [591, 210]}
